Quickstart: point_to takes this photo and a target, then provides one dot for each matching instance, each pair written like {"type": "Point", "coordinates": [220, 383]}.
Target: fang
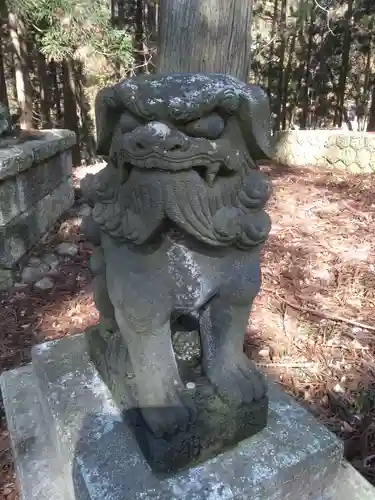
{"type": "Point", "coordinates": [211, 173]}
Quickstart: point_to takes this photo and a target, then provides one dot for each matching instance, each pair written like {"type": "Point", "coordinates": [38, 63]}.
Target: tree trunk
{"type": "Point", "coordinates": [345, 65]}
{"type": "Point", "coordinates": [272, 48]}
{"type": "Point", "coordinates": [151, 32]}
{"type": "Point", "coordinates": [56, 93]}
{"type": "Point", "coordinates": [121, 21]}
{"type": "Point", "coordinates": [371, 119]}
{"type": "Point", "coordinates": [87, 129]}
{"type": "Point", "coordinates": [362, 110]}
{"type": "Point", "coordinates": [139, 49]}
{"type": "Point", "coordinates": [23, 86]}
{"type": "Point", "coordinates": [282, 54]}
{"type": "Point", "coordinates": [287, 79]}
{"type": "Point", "coordinates": [71, 120]}
{"type": "Point", "coordinates": [44, 91]}
{"type": "Point", "coordinates": [3, 85]}
{"type": "Point", "coordinates": [209, 36]}
{"type": "Point", "coordinates": [306, 87]}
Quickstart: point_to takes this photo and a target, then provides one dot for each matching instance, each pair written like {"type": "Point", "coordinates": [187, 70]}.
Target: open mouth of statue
{"type": "Point", "coordinates": [209, 171]}
{"type": "Point", "coordinates": [214, 171]}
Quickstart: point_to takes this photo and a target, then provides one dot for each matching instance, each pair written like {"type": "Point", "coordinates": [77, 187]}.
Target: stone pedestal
{"type": "Point", "coordinates": [70, 443]}
{"type": "Point", "coordinates": [216, 426]}
{"type": "Point", "coordinates": [35, 190]}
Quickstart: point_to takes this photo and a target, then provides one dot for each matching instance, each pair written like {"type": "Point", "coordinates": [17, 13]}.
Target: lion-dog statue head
{"type": "Point", "coordinates": [184, 148]}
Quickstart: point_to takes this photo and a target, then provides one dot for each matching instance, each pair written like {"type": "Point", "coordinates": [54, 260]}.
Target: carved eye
{"type": "Point", "coordinates": [210, 127]}
{"type": "Point", "coordinates": [128, 123]}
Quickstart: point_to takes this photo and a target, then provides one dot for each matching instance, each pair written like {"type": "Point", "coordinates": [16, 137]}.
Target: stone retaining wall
{"type": "Point", "coordinates": [35, 189]}
{"type": "Point", "coordinates": [351, 151]}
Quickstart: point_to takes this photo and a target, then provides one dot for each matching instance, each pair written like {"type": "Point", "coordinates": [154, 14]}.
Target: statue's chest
{"type": "Point", "coordinates": [193, 276]}
{"type": "Point", "coordinates": [188, 274]}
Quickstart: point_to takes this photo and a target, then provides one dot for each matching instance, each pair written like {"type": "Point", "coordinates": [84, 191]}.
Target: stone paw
{"type": "Point", "coordinates": [238, 382]}
{"type": "Point", "coordinates": [168, 419]}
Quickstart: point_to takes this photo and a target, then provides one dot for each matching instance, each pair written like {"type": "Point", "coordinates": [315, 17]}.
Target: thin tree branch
{"type": "Point", "coordinates": [321, 314]}
{"type": "Point", "coordinates": [328, 15]}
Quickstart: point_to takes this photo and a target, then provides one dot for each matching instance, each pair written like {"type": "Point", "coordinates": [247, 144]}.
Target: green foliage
{"type": "Point", "coordinates": [63, 27]}
{"type": "Point", "coordinates": [298, 50]}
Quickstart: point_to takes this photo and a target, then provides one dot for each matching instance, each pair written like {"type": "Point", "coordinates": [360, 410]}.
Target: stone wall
{"type": "Point", "coordinates": [35, 189]}
{"type": "Point", "coordinates": [351, 151]}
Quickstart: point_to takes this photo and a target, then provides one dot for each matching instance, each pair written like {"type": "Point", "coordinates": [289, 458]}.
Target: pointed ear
{"type": "Point", "coordinates": [107, 114]}
{"type": "Point", "coordinates": [255, 114]}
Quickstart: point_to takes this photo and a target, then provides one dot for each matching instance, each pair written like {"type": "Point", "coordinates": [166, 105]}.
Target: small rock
{"type": "Point", "coordinates": [34, 262]}
{"type": "Point", "coordinates": [32, 274]}
{"type": "Point", "coordinates": [51, 260]}
{"type": "Point", "coordinates": [44, 284]}
{"type": "Point", "coordinates": [265, 352]}
{"type": "Point", "coordinates": [20, 285]}
{"type": "Point", "coordinates": [85, 210]}
{"type": "Point", "coordinates": [339, 389]}
{"type": "Point", "coordinates": [6, 279]}
{"type": "Point", "coordinates": [190, 386]}
{"type": "Point", "coordinates": [69, 249]}
{"type": "Point", "coordinates": [307, 396]}
{"type": "Point", "coordinates": [65, 228]}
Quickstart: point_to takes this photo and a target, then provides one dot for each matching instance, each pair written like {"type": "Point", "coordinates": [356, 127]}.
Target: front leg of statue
{"type": "Point", "coordinates": [158, 383]}
{"type": "Point", "coordinates": [234, 376]}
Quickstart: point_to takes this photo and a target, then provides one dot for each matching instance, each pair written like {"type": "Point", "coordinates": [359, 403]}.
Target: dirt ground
{"type": "Point", "coordinates": [312, 327]}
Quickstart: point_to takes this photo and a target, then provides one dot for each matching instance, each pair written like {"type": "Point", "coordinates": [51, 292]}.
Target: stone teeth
{"type": "Point", "coordinates": [211, 173]}
{"type": "Point", "coordinates": [210, 178]}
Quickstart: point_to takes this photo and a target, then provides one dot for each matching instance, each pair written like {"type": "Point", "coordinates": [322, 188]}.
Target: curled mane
{"type": "Point", "coordinates": [237, 219]}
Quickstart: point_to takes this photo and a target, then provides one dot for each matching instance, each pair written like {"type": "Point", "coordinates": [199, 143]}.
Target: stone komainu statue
{"type": "Point", "coordinates": [178, 218]}
{"type": "Point", "coordinates": [5, 123]}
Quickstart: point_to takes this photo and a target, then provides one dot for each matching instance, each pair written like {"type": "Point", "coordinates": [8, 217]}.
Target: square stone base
{"type": "Point", "coordinates": [216, 426]}
{"type": "Point", "coordinates": [70, 443]}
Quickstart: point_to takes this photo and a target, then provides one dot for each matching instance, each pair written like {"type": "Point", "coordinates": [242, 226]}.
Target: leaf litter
{"type": "Point", "coordinates": [315, 314]}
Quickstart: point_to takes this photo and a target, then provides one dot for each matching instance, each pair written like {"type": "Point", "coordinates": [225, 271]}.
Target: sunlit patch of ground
{"type": "Point", "coordinates": [320, 258]}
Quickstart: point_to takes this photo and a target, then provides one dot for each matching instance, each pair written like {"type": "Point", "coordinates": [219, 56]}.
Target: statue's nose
{"type": "Point", "coordinates": [158, 137]}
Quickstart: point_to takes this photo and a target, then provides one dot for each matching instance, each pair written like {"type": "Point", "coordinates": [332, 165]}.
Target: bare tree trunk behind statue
{"type": "Point", "coordinates": [71, 119]}
{"type": "Point", "coordinates": [3, 85]}
{"type": "Point", "coordinates": [209, 36]}
{"type": "Point", "coordinates": [24, 95]}
{"type": "Point", "coordinates": [371, 121]}
{"type": "Point", "coordinates": [44, 90]}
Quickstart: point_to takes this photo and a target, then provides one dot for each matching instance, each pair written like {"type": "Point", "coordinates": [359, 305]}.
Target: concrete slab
{"type": "Point", "coordinates": [22, 156]}
{"type": "Point", "coordinates": [21, 192]}
{"type": "Point", "coordinates": [25, 230]}
{"type": "Point", "coordinates": [95, 456]}
{"type": "Point", "coordinates": [38, 467]}
{"type": "Point", "coordinates": [350, 485]}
